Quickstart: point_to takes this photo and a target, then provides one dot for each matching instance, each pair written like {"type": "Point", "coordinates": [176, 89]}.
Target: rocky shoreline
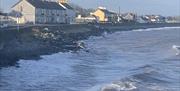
{"type": "Point", "coordinates": [33, 41]}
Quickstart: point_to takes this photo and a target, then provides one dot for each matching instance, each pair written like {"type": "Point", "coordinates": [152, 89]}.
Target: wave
{"type": "Point", "coordinates": [144, 78]}
{"type": "Point", "coordinates": [139, 82]}
{"type": "Point", "coordinates": [120, 86]}
{"type": "Point", "coordinates": [153, 29]}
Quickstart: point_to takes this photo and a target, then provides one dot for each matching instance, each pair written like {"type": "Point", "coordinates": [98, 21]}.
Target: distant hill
{"type": "Point", "coordinates": [81, 11]}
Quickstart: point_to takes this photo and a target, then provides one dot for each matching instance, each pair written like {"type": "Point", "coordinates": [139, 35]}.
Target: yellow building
{"type": "Point", "coordinates": [63, 1]}
{"type": "Point", "coordinates": [104, 15]}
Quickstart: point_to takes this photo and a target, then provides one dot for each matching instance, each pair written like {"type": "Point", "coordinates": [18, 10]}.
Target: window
{"type": "Point", "coordinates": [21, 9]}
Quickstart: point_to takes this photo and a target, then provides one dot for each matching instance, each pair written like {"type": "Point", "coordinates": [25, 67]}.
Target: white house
{"type": "Point", "coordinates": [88, 19]}
{"type": "Point", "coordinates": [104, 15]}
{"type": "Point", "coordinates": [154, 18]}
{"type": "Point", "coordinates": [141, 19]}
{"type": "Point", "coordinates": [129, 17]}
{"type": "Point", "coordinates": [70, 13]}
{"type": "Point", "coordinates": [41, 12]}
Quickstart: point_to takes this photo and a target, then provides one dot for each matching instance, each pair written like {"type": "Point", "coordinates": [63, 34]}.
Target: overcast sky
{"type": "Point", "coordinates": [163, 7]}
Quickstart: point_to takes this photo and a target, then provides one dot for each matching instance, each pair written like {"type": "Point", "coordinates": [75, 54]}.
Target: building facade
{"type": "Point", "coordinates": [88, 19]}
{"type": "Point", "coordinates": [129, 17]}
{"type": "Point", "coordinates": [70, 14]}
{"type": "Point", "coordinates": [155, 18]}
{"type": "Point", "coordinates": [104, 15]}
{"type": "Point", "coordinates": [41, 12]}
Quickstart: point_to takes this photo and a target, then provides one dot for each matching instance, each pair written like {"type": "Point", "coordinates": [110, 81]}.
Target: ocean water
{"type": "Point", "coordinates": [137, 60]}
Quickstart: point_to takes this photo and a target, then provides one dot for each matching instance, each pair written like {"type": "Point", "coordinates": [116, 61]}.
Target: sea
{"type": "Point", "coordinates": [136, 60]}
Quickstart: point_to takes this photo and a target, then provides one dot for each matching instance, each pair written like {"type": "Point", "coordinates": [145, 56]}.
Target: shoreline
{"type": "Point", "coordinates": [33, 41]}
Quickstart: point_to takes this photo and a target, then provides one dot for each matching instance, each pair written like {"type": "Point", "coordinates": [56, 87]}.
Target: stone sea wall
{"type": "Point", "coordinates": [29, 42]}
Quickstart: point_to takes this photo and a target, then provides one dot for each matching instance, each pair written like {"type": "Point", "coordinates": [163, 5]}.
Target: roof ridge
{"type": "Point", "coordinates": [43, 4]}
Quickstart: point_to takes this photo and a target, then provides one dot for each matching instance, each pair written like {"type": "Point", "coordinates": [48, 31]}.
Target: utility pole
{"type": "Point", "coordinates": [0, 7]}
{"type": "Point", "coordinates": [119, 14]}
{"type": "Point", "coordinates": [18, 15]}
{"type": "Point", "coordinates": [0, 12]}
{"type": "Point", "coordinates": [119, 11]}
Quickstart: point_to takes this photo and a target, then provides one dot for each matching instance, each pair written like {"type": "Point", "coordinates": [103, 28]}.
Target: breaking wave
{"type": "Point", "coordinates": [153, 29]}
{"type": "Point", "coordinates": [121, 61]}
{"type": "Point", "coordinates": [119, 86]}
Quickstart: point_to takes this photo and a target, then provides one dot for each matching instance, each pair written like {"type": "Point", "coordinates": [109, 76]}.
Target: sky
{"type": "Point", "coordinates": [142, 7]}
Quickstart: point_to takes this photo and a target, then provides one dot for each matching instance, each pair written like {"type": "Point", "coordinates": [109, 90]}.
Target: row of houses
{"type": "Point", "coordinates": [43, 11]}
{"type": "Point", "coordinates": [171, 19]}
{"type": "Point", "coordinates": [151, 19]}
{"type": "Point", "coordinates": [60, 12]}
{"type": "Point", "coordinates": [104, 15]}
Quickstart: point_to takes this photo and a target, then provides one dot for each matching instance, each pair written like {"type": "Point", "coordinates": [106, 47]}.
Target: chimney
{"type": "Point", "coordinates": [63, 1]}
{"type": "Point", "coordinates": [48, 0]}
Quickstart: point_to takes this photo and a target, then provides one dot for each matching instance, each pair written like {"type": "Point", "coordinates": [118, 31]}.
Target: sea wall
{"type": "Point", "coordinates": [33, 41]}
{"type": "Point", "coordinates": [29, 42]}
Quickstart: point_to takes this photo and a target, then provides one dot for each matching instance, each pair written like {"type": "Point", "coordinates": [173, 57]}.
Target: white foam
{"type": "Point", "coordinates": [153, 29]}
{"type": "Point", "coordinates": [119, 86]}
{"type": "Point", "coordinates": [155, 87]}
{"type": "Point", "coordinates": [177, 49]}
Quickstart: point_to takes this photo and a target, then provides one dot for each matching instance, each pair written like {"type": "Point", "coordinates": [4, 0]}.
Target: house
{"type": "Point", "coordinates": [160, 19]}
{"type": "Point", "coordinates": [87, 19]}
{"type": "Point", "coordinates": [42, 12]}
{"type": "Point", "coordinates": [104, 15]}
{"type": "Point", "coordinates": [129, 17]}
{"type": "Point", "coordinates": [119, 19]}
{"type": "Point", "coordinates": [170, 19]}
{"type": "Point", "coordinates": [70, 13]}
{"type": "Point", "coordinates": [141, 19]}
{"type": "Point", "coordinates": [155, 18]}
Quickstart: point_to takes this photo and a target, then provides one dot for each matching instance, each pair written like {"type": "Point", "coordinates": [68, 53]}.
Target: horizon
{"type": "Point", "coordinates": [157, 7]}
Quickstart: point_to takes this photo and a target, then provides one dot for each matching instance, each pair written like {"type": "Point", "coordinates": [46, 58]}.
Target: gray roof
{"type": "Point", "coordinates": [3, 14]}
{"type": "Point", "coordinates": [67, 5]}
{"type": "Point", "coordinates": [107, 11]}
{"type": "Point", "coordinates": [44, 4]}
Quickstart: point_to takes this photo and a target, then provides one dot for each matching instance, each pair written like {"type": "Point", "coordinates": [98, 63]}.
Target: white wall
{"type": "Point", "coordinates": [50, 16]}
{"type": "Point", "coordinates": [27, 10]}
{"type": "Point", "coordinates": [71, 15]}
